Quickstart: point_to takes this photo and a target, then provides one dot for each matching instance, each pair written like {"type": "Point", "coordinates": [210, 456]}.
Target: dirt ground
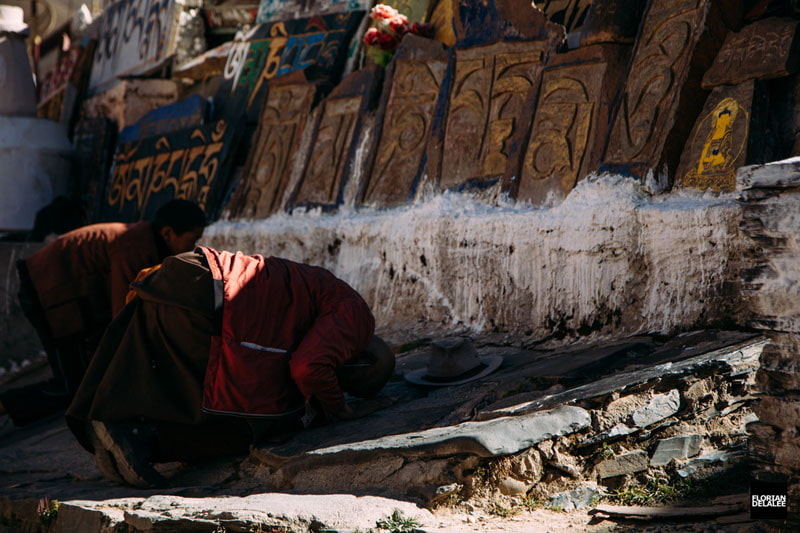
{"type": "Point", "coordinates": [546, 521]}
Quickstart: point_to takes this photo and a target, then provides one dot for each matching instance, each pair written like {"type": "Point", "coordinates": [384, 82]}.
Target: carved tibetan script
{"type": "Point", "coordinates": [317, 45]}
{"type": "Point", "coordinates": [658, 71]}
{"type": "Point", "coordinates": [267, 173]}
{"type": "Point", "coordinates": [188, 164]}
{"type": "Point", "coordinates": [486, 100]}
{"type": "Point", "coordinates": [764, 49]}
{"type": "Point", "coordinates": [406, 130]}
{"type": "Point", "coordinates": [571, 122]}
{"type": "Point", "coordinates": [133, 37]}
{"type": "Point", "coordinates": [718, 143]}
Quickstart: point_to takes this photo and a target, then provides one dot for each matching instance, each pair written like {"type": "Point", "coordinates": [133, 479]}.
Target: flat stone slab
{"type": "Point", "coordinates": [676, 448]}
{"type": "Point", "coordinates": [291, 511]}
{"type": "Point", "coordinates": [657, 409]}
{"type": "Point", "coordinates": [629, 463]}
{"type": "Point", "coordinates": [501, 436]}
{"type": "Point", "coordinates": [733, 360]}
{"type": "Point", "coordinates": [716, 457]}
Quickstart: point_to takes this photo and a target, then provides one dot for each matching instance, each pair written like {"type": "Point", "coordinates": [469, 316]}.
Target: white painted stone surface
{"type": "Point", "coordinates": [174, 513]}
{"type": "Point", "coordinates": [781, 174]}
{"type": "Point", "coordinates": [35, 162]}
{"type": "Point", "coordinates": [610, 259]}
{"type": "Point", "coordinates": [134, 37]}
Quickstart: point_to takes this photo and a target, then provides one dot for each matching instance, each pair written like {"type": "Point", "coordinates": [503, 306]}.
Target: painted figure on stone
{"type": "Point", "coordinates": [717, 150]}
{"type": "Point", "coordinates": [722, 148]}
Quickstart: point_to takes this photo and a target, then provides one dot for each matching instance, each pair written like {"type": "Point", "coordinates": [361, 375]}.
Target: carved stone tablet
{"type": "Point", "coordinates": [134, 37]}
{"type": "Point", "coordinates": [718, 143]}
{"type": "Point", "coordinates": [263, 183]}
{"type": "Point", "coordinates": [190, 164]}
{"type": "Point", "coordinates": [407, 118]}
{"type": "Point", "coordinates": [185, 114]}
{"type": "Point", "coordinates": [479, 23]}
{"type": "Point", "coordinates": [330, 157]}
{"type": "Point", "coordinates": [488, 93]}
{"type": "Point", "coordinates": [612, 21]}
{"type": "Point", "coordinates": [316, 45]}
{"type": "Point", "coordinates": [657, 101]}
{"type": "Point", "coordinates": [765, 49]}
{"type": "Point", "coordinates": [571, 122]}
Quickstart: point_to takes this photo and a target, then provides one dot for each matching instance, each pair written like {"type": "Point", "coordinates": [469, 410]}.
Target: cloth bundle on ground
{"type": "Point", "coordinates": [217, 351]}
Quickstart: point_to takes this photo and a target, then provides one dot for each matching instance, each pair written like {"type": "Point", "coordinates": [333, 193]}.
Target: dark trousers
{"type": "Point", "coordinates": [68, 358]}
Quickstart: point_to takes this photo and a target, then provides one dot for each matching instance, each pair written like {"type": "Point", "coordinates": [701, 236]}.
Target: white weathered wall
{"type": "Point", "coordinates": [35, 164]}
{"type": "Point", "coordinates": [610, 259]}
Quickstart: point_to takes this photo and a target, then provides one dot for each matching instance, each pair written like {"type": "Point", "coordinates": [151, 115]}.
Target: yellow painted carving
{"type": "Point", "coordinates": [716, 167]}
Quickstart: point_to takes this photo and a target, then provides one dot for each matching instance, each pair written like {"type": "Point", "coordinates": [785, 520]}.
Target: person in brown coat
{"type": "Point", "coordinates": [219, 351]}
{"type": "Point", "coordinates": [72, 288]}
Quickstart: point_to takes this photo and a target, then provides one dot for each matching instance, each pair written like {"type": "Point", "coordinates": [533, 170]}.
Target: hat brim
{"type": "Point", "coordinates": [417, 377]}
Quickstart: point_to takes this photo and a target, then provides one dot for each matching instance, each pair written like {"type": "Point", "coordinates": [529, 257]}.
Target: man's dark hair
{"type": "Point", "coordinates": [180, 215]}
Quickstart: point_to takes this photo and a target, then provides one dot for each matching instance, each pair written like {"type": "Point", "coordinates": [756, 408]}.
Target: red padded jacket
{"type": "Point", "coordinates": [286, 327]}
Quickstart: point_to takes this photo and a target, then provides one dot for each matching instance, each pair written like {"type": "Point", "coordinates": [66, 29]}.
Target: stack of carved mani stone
{"type": "Point", "coordinates": [771, 195]}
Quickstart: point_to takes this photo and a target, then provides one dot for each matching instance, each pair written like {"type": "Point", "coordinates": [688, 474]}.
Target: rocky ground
{"type": "Point", "coordinates": [642, 433]}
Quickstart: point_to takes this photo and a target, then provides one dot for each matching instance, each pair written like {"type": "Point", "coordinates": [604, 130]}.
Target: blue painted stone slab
{"type": "Point", "coordinates": [187, 113]}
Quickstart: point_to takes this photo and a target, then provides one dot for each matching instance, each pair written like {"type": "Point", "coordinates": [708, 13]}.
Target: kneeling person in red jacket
{"type": "Point", "coordinates": [218, 351]}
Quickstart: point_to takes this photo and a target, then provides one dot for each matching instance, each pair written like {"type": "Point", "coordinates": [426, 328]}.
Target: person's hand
{"type": "Point", "coordinates": [362, 408]}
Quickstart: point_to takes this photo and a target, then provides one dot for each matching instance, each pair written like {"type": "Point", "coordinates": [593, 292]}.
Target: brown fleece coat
{"type": "Point", "coordinates": [82, 277]}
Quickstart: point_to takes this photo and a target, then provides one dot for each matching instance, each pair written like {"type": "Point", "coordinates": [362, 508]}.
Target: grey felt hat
{"type": "Point", "coordinates": [453, 361]}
